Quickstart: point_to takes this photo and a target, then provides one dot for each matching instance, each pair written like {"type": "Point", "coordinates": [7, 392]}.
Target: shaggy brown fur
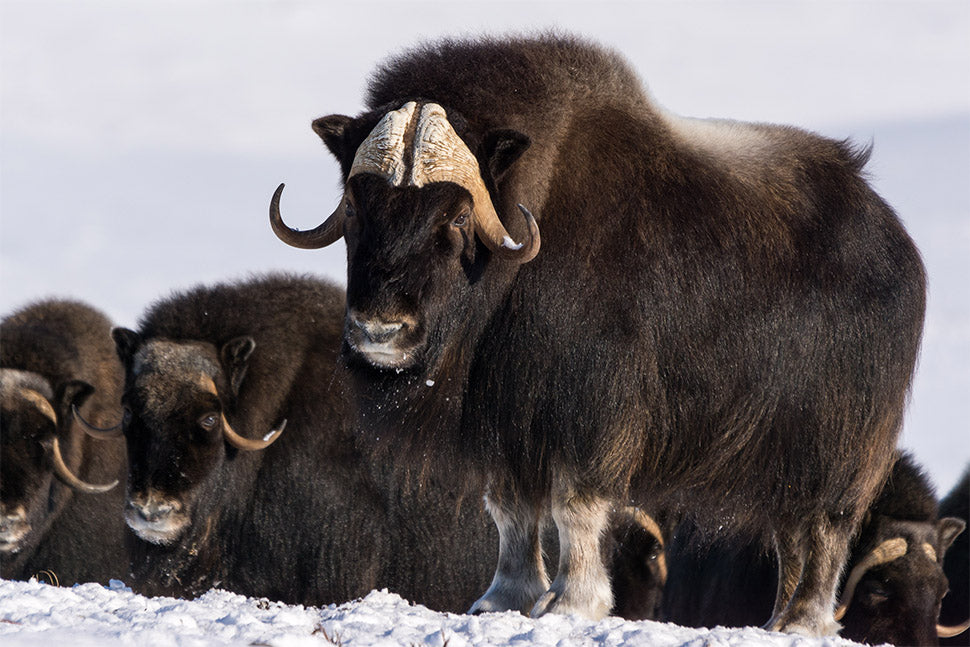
{"type": "Point", "coordinates": [65, 350]}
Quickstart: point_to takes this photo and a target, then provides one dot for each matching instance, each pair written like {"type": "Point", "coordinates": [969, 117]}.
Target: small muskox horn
{"type": "Point", "coordinates": [884, 553]}
{"type": "Point", "coordinates": [101, 433]}
{"type": "Point", "coordinates": [249, 444]}
{"type": "Point", "coordinates": [325, 234]}
{"type": "Point", "coordinates": [949, 632]}
{"type": "Point", "coordinates": [66, 476]}
{"type": "Point", "coordinates": [647, 522]}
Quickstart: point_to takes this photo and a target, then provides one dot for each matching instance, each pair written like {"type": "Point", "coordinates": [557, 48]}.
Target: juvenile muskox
{"type": "Point", "coordinates": [891, 593]}
{"type": "Point", "coordinates": [243, 474]}
{"type": "Point", "coordinates": [956, 605]}
{"type": "Point", "coordinates": [60, 519]}
{"type": "Point", "coordinates": [723, 317]}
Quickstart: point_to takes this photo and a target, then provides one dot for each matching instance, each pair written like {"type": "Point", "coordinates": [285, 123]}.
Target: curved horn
{"type": "Point", "coordinates": [63, 473]}
{"type": "Point", "coordinates": [497, 239]}
{"type": "Point", "coordinates": [647, 522]}
{"type": "Point", "coordinates": [325, 234]}
{"type": "Point", "coordinates": [101, 433]}
{"type": "Point", "coordinates": [884, 553]}
{"type": "Point", "coordinates": [42, 403]}
{"type": "Point", "coordinates": [949, 632]}
{"type": "Point", "coordinates": [440, 155]}
{"type": "Point", "coordinates": [249, 444]}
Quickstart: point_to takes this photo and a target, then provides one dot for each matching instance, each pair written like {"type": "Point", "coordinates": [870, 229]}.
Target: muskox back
{"type": "Point", "coordinates": [62, 350]}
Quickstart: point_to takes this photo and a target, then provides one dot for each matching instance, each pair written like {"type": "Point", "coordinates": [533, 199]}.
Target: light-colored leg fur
{"type": "Point", "coordinates": [790, 551]}
{"type": "Point", "coordinates": [582, 585]}
{"type": "Point", "coordinates": [810, 611]}
{"type": "Point", "coordinates": [520, 577]}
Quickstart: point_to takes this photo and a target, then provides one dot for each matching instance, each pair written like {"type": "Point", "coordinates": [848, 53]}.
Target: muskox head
{"type": "Point", "coordinates": [420, 223]}
{"type": "Point", "coordinates": [893, 594]}
{"type": "Point", "coordinates": [36, 425]}
{"type": "Point", "coordinates": [178, 401]}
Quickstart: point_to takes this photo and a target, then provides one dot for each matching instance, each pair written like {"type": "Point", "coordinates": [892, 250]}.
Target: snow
{"type": "Point", "coordinates": [88, 614]}
{"type": "Point", "coordinates": [140, 144]}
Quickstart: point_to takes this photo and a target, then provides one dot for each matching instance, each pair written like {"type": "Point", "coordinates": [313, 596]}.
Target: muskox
{"type": "Point", "coordinates": [891, 592]}
{"type": "Point", "coordinates": [60, 517]}
{"type": "Point", "coordinates": [955, 611]}
{"type": "Point", "coordinates": [723, 317]}
{"type": "Point", "coordinates": [243, 474]}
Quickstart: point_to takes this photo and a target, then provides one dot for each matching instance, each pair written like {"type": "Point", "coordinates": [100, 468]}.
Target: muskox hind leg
{"type": "Point", "coordinates": [582, 585]}
{"type": "Point", "coordinates": [810, 611]}
{"type": "Point", "coordinates": [520, 577]}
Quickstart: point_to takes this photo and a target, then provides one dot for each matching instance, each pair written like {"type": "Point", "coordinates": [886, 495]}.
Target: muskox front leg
{"type": "Point", "coordinates": [810, 609]}
{"type": "Point", "coordinates": [582, 585]}
{"type": "Point", "coordinates": [520, 577]}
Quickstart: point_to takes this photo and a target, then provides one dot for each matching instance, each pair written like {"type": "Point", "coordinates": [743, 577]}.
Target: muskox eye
{"type": "Point", "coordinates": [349, 210]}
{"type": "Point", "coordinates": [461, 220]}
{"type": "Point", "coordinates": [209, 421]}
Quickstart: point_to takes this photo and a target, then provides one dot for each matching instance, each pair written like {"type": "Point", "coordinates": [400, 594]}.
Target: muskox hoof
{"type": "Point", "coordinates": [810, 627]}
{"type": "Point", "coordinates": [553, 602]}
{"type": "Point", "coordinates": [504, 595]}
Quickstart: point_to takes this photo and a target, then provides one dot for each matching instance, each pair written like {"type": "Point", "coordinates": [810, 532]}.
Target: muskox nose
{"type": "Point", "coordinates": [11, 519]}
{"type": "Point", "coordinates": [153, 511]}
{"type": "Point", "coordinates": [378, 331]}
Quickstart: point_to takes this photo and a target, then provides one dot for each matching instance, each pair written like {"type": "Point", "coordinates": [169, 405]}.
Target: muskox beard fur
{"type": "Point", "coordinates": [410, 419]}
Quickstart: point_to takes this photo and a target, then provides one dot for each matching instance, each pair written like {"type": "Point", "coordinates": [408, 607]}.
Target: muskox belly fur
{"type": "Point", "coordinates": [54, 355]}
{"type": "Point", "coordinates": [722, 317]}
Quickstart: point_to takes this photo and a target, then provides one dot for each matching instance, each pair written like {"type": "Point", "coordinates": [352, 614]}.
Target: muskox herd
{"type": "Point", "coordinates": [681, 400]}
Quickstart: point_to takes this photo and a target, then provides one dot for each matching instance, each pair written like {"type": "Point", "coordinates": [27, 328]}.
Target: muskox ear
{"type": "Point", "coordinates": [74, 392]}
{"type": "Point", "coordinates": [126, 343]}
{"type": "Point", "coordinates": [333, 130]}
{"type": "Point", "coordinates": [501, 148]}
{"type": "Point", "coordinates": [235, 359]}
{"type": "Point", "coordinates": [949, 529]}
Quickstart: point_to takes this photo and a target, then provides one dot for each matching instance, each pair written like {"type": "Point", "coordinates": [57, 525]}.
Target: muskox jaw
{"type": "Point", "coordinates": [13, 529]}
{"type": "Point", "coordinates": [156, 518]}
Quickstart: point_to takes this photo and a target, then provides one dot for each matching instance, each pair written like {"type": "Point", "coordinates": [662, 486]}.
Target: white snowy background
{"type": "Point", "coordinates": [140, 143]}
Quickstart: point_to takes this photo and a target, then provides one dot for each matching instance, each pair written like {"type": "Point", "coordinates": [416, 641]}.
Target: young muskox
{"type": "Point", "coordinates": [59, 518]}
{"type": "Point", "coordinates": [243, 474]}
{"type": "Point", "coordinates": [891, 593]}
{"type": "Point", "coordinates": [723, 317]}
{"type": "Point", "coordinates": [956, 564]}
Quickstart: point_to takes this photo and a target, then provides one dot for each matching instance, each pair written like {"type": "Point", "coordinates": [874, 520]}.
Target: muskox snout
{"type": "Point", "coordinates": [376, 331]}
{"type": "Point", "coordinates": [13, 528]}
{"type": "Point", "coordinates": [154, 518]}
{"type": "Point", "coordinates": [152, 511]}
{"type": "Point", "coordinates": [386, 342]}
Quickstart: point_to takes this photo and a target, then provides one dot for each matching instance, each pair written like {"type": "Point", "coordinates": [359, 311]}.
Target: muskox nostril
{"type": "Point", "coordinates": [379, 332]}
{"type": "Point", "coordinates": [153, 512]}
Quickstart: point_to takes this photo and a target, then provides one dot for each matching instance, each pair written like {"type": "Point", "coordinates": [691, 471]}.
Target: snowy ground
{"type": "Point", "coordinates": [140, 142]}
{"type": "Point", "coordinates": [34, 614]}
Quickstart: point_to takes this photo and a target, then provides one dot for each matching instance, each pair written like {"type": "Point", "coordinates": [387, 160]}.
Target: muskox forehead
{"type": "Point", "coordinates": [164, 371]}
{"type": "Point", "coordinates": [415, 146]}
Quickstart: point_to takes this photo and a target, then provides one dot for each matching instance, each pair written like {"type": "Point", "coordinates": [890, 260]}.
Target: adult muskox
{"type": "Point", "coordinates": [890, 594]}
{"type": "Point", "coordinates": [724, 317]}
{"type": "Point", "coordinates": [58, 510]}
